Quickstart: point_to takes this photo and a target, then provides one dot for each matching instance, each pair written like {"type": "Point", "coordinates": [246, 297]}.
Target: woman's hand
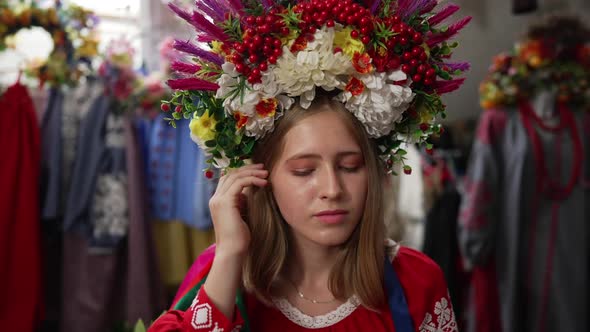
{"type": "Point", "coordinates": [228, 205]}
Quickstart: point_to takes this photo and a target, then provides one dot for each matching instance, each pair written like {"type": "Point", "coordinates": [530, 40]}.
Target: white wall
{"type": "Point", "coordinates": [493, 30]}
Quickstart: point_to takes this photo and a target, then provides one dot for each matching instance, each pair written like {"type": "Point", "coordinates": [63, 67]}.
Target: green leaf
{"type": "Point", "coordinates": [247, 149]}
{"type": "Point", "coordinates": [401, 152]}
{"type": "Point", "coordinates": [210, 143]}
{"type": "Point", "coordinates": [139, 326]}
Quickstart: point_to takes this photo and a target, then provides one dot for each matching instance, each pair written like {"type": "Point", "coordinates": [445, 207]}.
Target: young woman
{"type": "Point", "coordinates": [319, 95]}
{"type": "Point", "coordinates": [311, 253]}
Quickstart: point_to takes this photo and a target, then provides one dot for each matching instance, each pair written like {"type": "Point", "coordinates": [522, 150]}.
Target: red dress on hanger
{"type": "Point", "coordinates": [20, 259]}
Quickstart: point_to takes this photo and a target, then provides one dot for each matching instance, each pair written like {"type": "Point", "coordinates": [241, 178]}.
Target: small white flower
{"type": "Point", "coordinates": [222, 162]}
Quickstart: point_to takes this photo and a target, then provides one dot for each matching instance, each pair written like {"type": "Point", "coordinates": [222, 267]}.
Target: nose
{"type": "Point", "coordinates": [331, 186]}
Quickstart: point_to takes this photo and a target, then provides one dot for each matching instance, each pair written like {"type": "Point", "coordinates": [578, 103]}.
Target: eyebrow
{"type": "Point", "coordinates": [317, 156]}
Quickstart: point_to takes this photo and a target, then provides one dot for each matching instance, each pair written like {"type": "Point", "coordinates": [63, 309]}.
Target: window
{"type": "Point", "coordinates": [117, 18]}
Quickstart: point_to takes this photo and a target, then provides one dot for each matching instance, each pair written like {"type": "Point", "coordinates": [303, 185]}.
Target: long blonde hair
{"type": "Point", "coordinates": [359, 266]}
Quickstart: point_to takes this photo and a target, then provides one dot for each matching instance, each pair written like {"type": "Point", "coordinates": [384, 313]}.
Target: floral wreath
{"type": "Point", "coordinates": [542, 61]}
{"type": "Point", "coordinates": [386, 59]}
{"type": "Point", "coordinates": [72, 31]}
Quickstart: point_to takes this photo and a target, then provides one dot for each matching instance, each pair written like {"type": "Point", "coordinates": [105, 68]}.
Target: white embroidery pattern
{"type": "Point", "coordinates": [202, 318]}
{"type": "Point", "coordinates": [115, 132]}
{"type": "Point", "coordinates": [316, 322]}
{"type": "Point", "coordinates": [445, 319]}
{"type": "Point", "coordinates": [237, 328]}
{"type": "Point", "coordinates": [216, 328]}
{"type": "Point", "coordinates": [110, 209]}
{"type": "Point", "coordinates": [195, 301]}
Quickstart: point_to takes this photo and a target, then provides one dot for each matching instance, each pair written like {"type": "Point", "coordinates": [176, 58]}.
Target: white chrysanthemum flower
{"type": "Point", "coordinates": [380, 104]}
{"type": "Point", "coordinates": [316, 65]}
{"type": "Point", "coordinates": [268, 86]}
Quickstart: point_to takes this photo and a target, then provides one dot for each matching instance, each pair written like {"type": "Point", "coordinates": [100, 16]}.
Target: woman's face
{"type": "Point", "coordinates": [320, 180]}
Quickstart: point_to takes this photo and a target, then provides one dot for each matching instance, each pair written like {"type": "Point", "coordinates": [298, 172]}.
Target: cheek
{"type": "Point", "coordinates": [291, 196]}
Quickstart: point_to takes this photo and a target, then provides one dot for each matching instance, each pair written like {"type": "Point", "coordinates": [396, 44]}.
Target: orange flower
{"type": "Point", "coordinates": [535, 53]}
{"type": "Point", "coordinates": [240, 119]}
{"type": "Point", "coordinates": [487, 104]}
{"type": "Point", "coordinates": [299, 45]}
{"type": "Point", "coordinates": [355, 86]}
{"type": "Point", "coordinates": [362, 63]}
{"type": "Point", "coordinates": [501, 62]}
{"type": "Point", "coordinates": [266, 107]}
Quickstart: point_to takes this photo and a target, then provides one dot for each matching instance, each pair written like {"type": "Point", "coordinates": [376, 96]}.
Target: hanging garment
{"type": "Point", "coordinates": [105, 288]}
{"type": "Point", "coordinates": [145, 290]}
{"type": "Point", "coordinates": [20, 261]}
{"type": "Point", "coordinates": [524, 222]}
{"type": "Point", "coordinates": [97, 204]}
{"type": "Point", "coordinates": [179, 191]}
{"type": "Point", "coordinates": [441, 243]}
{"type": "Point", "coordinates": [65, 109]}
{"type": "Point", "coordinates": [178, 246]}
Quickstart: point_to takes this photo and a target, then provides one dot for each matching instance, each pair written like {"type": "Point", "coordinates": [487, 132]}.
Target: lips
{"type": "Point", "coordinates": [331, 216]}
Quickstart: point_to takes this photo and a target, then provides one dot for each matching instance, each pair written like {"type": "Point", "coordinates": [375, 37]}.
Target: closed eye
{"type": "Point", "coordinates": [350, 169]}
{"type": "Point", "coordinates": [302, 172]}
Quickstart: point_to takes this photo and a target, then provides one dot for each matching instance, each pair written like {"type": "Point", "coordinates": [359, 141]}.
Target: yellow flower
{"type": "Point", "coordinates": [349, 45]}
{"type": "Point", "coordinates": [216, 46]}
{"type": "Point", "coordinates": [203, 127]}
{"type": "Point", "coordinates": [89, 48]}
{"type": "Point", "coordinates": [289, 39]}
{"type": "Point", "coordinates": [424, 113]}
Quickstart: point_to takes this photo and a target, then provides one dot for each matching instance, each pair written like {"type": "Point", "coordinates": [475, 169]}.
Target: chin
{"type": "Point", "coordinates": [331, 238]}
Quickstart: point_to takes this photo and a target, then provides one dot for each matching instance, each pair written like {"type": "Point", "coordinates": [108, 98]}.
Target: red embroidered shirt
{"type": "Point", "coordinates": [422, 280]}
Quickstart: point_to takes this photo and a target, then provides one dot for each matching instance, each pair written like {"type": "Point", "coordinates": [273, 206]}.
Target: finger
{"type": "Point", "coordinates": [243, 182]}
{"type": "Point", "coordinates": [226, 173]}
{"type": "Point", "coordinates": [260, 173]}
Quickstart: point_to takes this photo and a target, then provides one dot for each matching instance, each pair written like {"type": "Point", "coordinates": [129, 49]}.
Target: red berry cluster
{"type": "Point", "coordinates": [404, 50]}
{"type": "Point", "coordinates": [414, 61]}
{"type": "Point", "coordinates": [316, 13]}
{"type": "Point", "coordinates": [260, 45]}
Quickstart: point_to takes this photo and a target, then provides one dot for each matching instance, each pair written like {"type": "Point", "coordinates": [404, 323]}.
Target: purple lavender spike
{"type": "Point", "coordinates": [236, 6]}
{"type": "Point", "coordinates": [429, 7]}
{"type": "Point", "coordinates": [461, 66]}
{"type": "Point", "coordinates": [373, 7]}
{"type": "Point", "coordinates": [450, 33]}
{"type": "Point", "coordinates": [184, 67]}
{"type": "Point", "coordinates": [447, 11]}
{"type": "Point", "coordinates": [192, 84]}
{"type": "Point", "coordinates": [180, 12]}
{"type": "Point", "coordinates": [405, 8]}
{"type": "Point", "coordinates": [205, 38]}
{"type": "Point", "coordinates": [443, 87]}
{"type": "Point", "coordinates": [203, 25]}
{"type": "Point", "coordinates": [267, 4]}
{"type": "Point", "coordinates": [188, 47]}
{"type": "Point", "coordinates": [208, 11]}
{"type": "Point", "coordinates": [215, 5]}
